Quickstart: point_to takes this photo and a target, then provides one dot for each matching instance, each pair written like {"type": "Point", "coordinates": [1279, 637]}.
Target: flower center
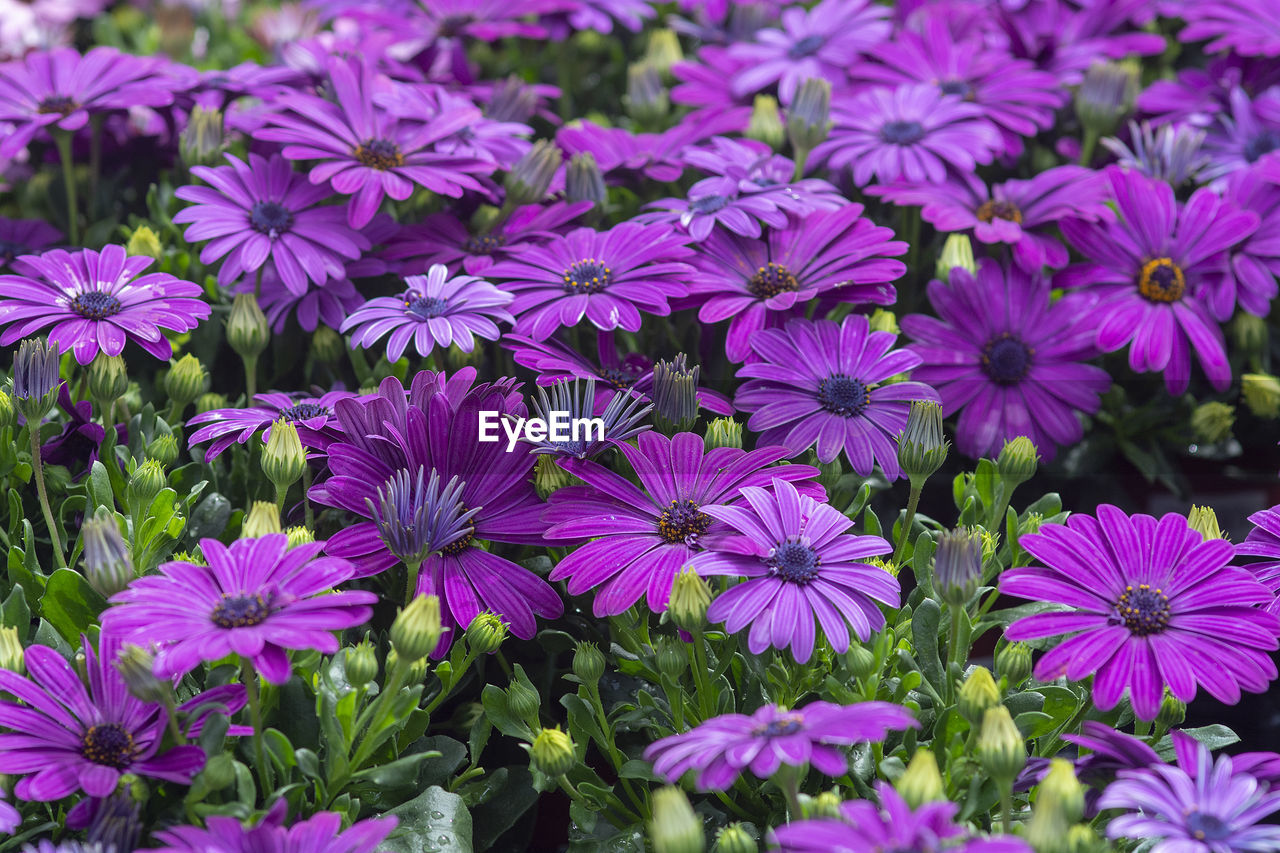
{"type": "Point", "coordinates": [785, 725]}
{"type": "Point", "coordinates": [708, 204]}
{"type": "Point", "coordinates": [959, 88]}
{"type": "Point", "coordinates": [9, 250]}
{"type": "Point", "coordinates": [381, 154]}
{"type": "Point", "coordinates": [60, 104]}
{"type": "Point", "coordinates": [425, 307]}
{"type": "Point", "coordinates": [452, 25]}
{"type": "Point", "coordinates": [1207, 827]}
{"type": "Point", "coordinates": [1162, 280]}
{"type": "Point", "coordinates": [683, 522]}
{"type": "Point", "coordinates": [108, 744]}
{"type": "Point", "coordinates": [843, 395]}
{"type": "Point", "coordinates": [1006, 359]}
{"type": "Point", "coordinates": [1143, 610]}
{"type": "Point", "coordinates": [794, 562]}
{"type": "Point", "coordinates": [807, 46]}
{"type": "Point", "coordinates": [772, 279]}
{"type": "Point", "coordinates": [240, 611]}
{"type": "Point", "coordinates": [902, 132]}
{"type": "Point", "coordinates": [1263, 143]}
{"type": "Point", "coordinates": [270, 218]}
{"type": "Point", "coordinates": [304, 412]}
{"type": "Point", "coordinates": [619, 380]}
{"type": "Point", "coordinates": [96, 305]}
{"type": "Point", "coordinates": [462, 543]}
{"type": "Point", "coordinates": [485, 244]}
{"type": "Point", "coordinates": [586, 276]}
{"type": "Point", "coordinates": [999, 209]}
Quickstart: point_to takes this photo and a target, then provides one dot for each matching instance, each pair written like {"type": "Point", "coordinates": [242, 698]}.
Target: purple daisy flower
{"type": "Point", "coordinates": [435, 311]}
{"type": "Point", "coordinates": [1108, 751]}
{"type": "Point", "coordinates": [1148, 268]}
{"type": "Point", "coordinates": [313, 416]}
{"type": "Point", "coordinates": [701, 86]}
{"type": "Point", "coordinates": [1009, 359]}
{"type": "Point", "coordinates": [820, 42]}
{"type": "Point", "coordinates": [58, 90]}
{"type": "Point", "coordinates": [1264, 541]}
{"type": "Point", "coordinates": [1251, 131]}
{"type": "Point", "coordinates": [799, 563]}
{"type": "Point", "coordinates": [608, 277]}
{"type": "Point", "coordinates": [67, 738]}
{"type": "Point", "coordinates": [757, 284]}
{"type": "Point", "coordinates": [256, 598]}
{"type": "Point", "coordinates": [366, 151]}
{"type": "Point", "coordinates": [498, 142]}
{"type": "Point", "coordinates": [655, 156]}
{"type": "Point", "coordinates": [1152, 604]}
{"type": "Point", "coordinates": [264, 210]}
{"type": "Point", "coordinates": [864, 827]}
{"type": "Point", "coordinates": [908, 133]}
{"type": "Point", "coordinates": [320, 833]}
{"type": "Point", "coordinates": [25, 237]}
{"type": "Point", "coordinates": [1249, 277]}
{"type": "Point", "coordinates": [1245, 27]}
{"type": "Point", "coordinates": [1065, 38]}
{"type": "Point", "coordinates": [1023, 215]}
{"type": "Point", "coordinates": [816, 381]}
{"type": "Point", "coordinates": [329, 303]}
{"type": "Point", "coordinates": [1213, 809]}
{"type": "Point", "coordinates": [641, 536]}
{"type": "Point", "coordinates": [98, 301]}
{"type": "Point", "coordinates": [724, 746]}
{"type": "Point", "coordinates": [1197, 95]}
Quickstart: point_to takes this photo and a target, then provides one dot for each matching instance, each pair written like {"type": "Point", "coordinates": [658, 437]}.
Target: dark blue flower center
{"type": "Point", "coordinates": [1263, 143]}
{"type": "Point", "coordinates": [485, 244]}
{"type": "Point", "coordinates": [788, 724]}
{"type": "Point", "coordinates": [463, 542]}
{"type": "Point", "coordinates": [10, 250]}
{"type": "Point", "coordinates": [425, 307]}
{"type": "Point", "coordinates": [108, 744]}
{"type": "Point", "coordinates": [1207, 827]}
{"type": "Point", "coordinates": [619, 380]}
{"type": "Point", "coordinates": [1161, 280]}
{"type": "Point", "coordinates": [304, 412]}
{"type": "Point", "coordinates": [902, 132]}
{"type": "Point", "coordinates": [708, 204]}
{"type": "Point", "coordinates": [96, 305]}
{"type": "Point", "coordinates": [772, 279]}
{"type": "Point", "coordinates": [956, 87]}
{"type": "Point", "coordinates": [240, 611]}
{"type": "Point", "coordinates": [683, 522]}
{"type": "Point", "coordinates": [1006, 359]}
{"type": "Point", "coordinates": [843, 395]}
{"type": "Point", "coordinates": [807, 46]}
{"type": "Point", "coordinates": [1143, 610]}
{"type": "Point", "coordinates": [60, 104]}
{"type": "Point", "coordinates": [381, 154]}
{"type": "Point", "coordinates": [270, 218]}
{"type": "Point", "coordinates": [586, 276]}
{"type": "Point", "coordinates": [999, 209]}
{"type": "Point", "coordinates": [794, 562]}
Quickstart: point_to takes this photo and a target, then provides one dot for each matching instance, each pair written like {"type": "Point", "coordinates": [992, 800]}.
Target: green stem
{"type": "Point", "coordinates": [701, 675]}
{"type": "Point", "coordinates": [250, 678]}
{"type": "Point", "coordinates": [615, 754]}
{"type": "Point", "coordinates": [1086, 147]}
{"type": "Point", "coordinates": [954, 653]}
{"type": "Point", "coordinates": [913, 500]}
{"type": "Point", "coordinates": [37, 467]}
{"type": "Point", "coordinates": [788, 779]}
{"type": "Point", "coordinates": [308, 512]}
{"type": "Point", "coordinates": [411, 581]}
{"type": "Point", "coordinates": [250, 376]}
{"type": "Point", "coordinates": [802, 157]}
{"type": "Point", "coordinates": [172, 713]}
{"type": "Point", "coordinates": [282, 492]}
{"type": "Point", "coordinates": [63, 139]}
{"type": "Point", "coordinates": [1006, 807]}
{"type": "Point", "coordinates": [467, 660]}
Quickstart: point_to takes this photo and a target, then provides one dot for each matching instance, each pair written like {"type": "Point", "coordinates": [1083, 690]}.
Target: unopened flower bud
{"type": "Point", "coordinates": [107, 566]}
{"type": "Point", "coordinates": [1062, 792]}
{"type": "Point", "coordinates": [809, 116]}
{"type": "Point", "coordinates": [552, 753]}
{"type": "Point", "coordinates": [417, 669]}
{"type": "Point", "coordinates": [826, 804]}
{"type": "Point", "coordinates": [247, 329]}
{"type": "Point", "coordinates": [1001, 748]}
{"type": "Point", "coordinates": [327, 345]}
{"type": "Point", "coordinates": [523, 702]}
{"type": "Point", "coordinates": [957, 566]}
{"type": "Point", "coordinates": [362, 663]}
{"type": "Point", "coordinates": [1106, 95]}
{"type": "Point", "coordinates": [299, 535]}
{"type": "Point", "coordinates": [1261, 394]}
{"type": "Point", "coordinates": [588, 663]}
{"type": "Point", "coordinates": [164, 449]}
{"type": "Point", "coordinates": [674, 827]}
{"type": "Point", "coordinates": [583, 180]}
{"type": "Point", "coordinates": [283, 459]}
{"type": "Point", "coordinates": [957, 251]}
{"type": "Point", "coordinates": [529, 178]}
{"type": "Point", "coordinates": [263, 519]}
{"type": "Point", "coordinates": [1013, 663]}
{"type": "Point", "coordinates": [12, 656]}
{"type": "Point", "coordinates": [829, 474]}
{"type": "Point", "coordinates": [136, 667]}
{"type": "Point", "coordinates": [209, 401]}
{"type": "Point", "coordinates": [1250, 332]}
{"type": "Point", "coordinates": [1017, 462]}
{"type": "Point", "coordinates": [921, 783]}
{"type": "Point", "coordinates": [723, 432]}
{"type": "Point", "coordinates": [1211, 422]}
{"type": "Point", "coordinates": [922, 448]}
{"type": "Point", "coordinates": [978, 694]}
{"type": "Point", "coordinates": [1172, 711]}
{"type": "Point", "coordinates": [35, 378]}
{"type": "Point", "coordinates": [671, 658]}
{"type": "Point", "coordinates": [108, 379]}
{"type": "Point", "coordinates": [1082, 838]}
{"type": "Point", "coordinates": [883, 320]}
{"type": "Point", "coordinates": [417, 628]}
{"type": "Point", "coordinates": [548, 477]}
{"type": "Point", "coordinates": [860, 661]}
{"type": "Point", "coordinates": [144, 241]}
{"type": "Point", "coordinates": [185, 381]}
{"type": "Point", "coordinates": [690, 598]}
{"type": "Point", "coordinates": [201, 141]}
{"type": "Point", "coordinates": [6, 410]}
{"type": "Point", "coordinates": [735, 838]}
{"type": "Point", "coordinates": [486, 633]}
{"type": "Point", "coordinates": [646, 99]}
{"type": "Point", "coordinates": [145, 483]}
{"type": "Point", "coordinates": [663, 51]}
{"type": "Point", "coordinates": [675, 395]}
{"type": "Point", "coordinates": [1204, 521]}
{"type": "Point", "coordinates": [512, 100]}
{"type": "Point", "coordinates": [765, 124]}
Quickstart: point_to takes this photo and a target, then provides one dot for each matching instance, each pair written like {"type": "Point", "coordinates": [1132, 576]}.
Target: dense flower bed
{"type": "Point", "coordinates": [452, 425]}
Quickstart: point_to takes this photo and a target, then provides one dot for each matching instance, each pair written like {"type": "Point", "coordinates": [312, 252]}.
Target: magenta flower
{"type": "Point", "coordinates": [608, 277]}
{"type": "Point", "coordinates": [435, 311]}
{"type": "Point", "coordinates": [1148, 269]}
{"type": "Point", "coordinates": [642, 536]}
{"type": "Point", "coordinates": [312, 416]}
{"type": "Point", "coordinates": [1249, 277]}
{"type": "Point", "coordinates": [1008, 358]}
{"type": "Point", "coordinates": [1151, 604]}
{"type": "Point", "coordinates": [320, 833]}
{"type": "Point", "coordinates": [1245, 27]}
{"type": "Point", "coordinates": [25, 237]}
{"type": "Point", "coordinates": [256, 598]}
{"type": "Point", "coordinates": [802, 571]}
{"type": "Point", "coordinates": [724, 746]}
{"type": "Point", "coordinates": [1264, 541]}
{"type": "Point", "coordinates": [329, 303]}
{"type": "Point", "coordinates": [264, 210]}
{"type": "Point", "coordinates": [97, 301]}
{"type": "Point", "coordinates": [816, 382]}
{"type": "Point", "coordinates": [1239, 140]}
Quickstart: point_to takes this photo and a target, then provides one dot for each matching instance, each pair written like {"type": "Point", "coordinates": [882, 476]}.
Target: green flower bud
{"type": "Point", "coordinates": [1211, 422]}
{"type": "Point", "coordinates": [663, 51]}
{"type": "Point", "coordinates": [185, 381]}
{"type": "Point", "coordinates": [675, 828]}
{"type": "Point", "coordinates": [144, 241]}
{"type": "Point", "coordinates": [1082, 839]}
{"type": "Point", "coordinates": [455, 358]}
{"type": "Point", "coordinates": [766, 122]}
{"type": "Point", "coordinates": [136, 667]}
{"type": "Point", "coordinates": [583, 180]}
{"type": "Point", "coordinates": [201, 142]}
{"type": "Point", "coordinates": [809, 116]}
{"type": "Point", "coordinates": [108, 379]}
{"type": "Point", "coordinates": [735, 838]}
{"type": "Point", "coordinates": [327, 346]}
{"type": "Point", "coordinates": [1261, 394]}
{"type": "Point", "coordinates": [299, 535]}
{"type": "Point", "coordinates": [417, 669]}
{"type": "Point", "coordinates": [1013, 663]}
{"type": "Point", "coordinates": [35, 378]}
{"type": "Point", "coordinates": [957, 251]}
{"type": "Point", "coordinates": [921, 783]}
{"type": "Point", "coordinates": [486, 633]}
{"type": "Point", "coordinates": [12, 656]}
{"type": "Point", "coordinates": [145, 483]}
{"type": "Point", "coordinates": [646, 99]}
{"type": "Point", "coordinates": [957, 566]}
{"type": "Point", "coordinates": [675, 395]}
{"type": "Point", "coordinates": [588, 662]}
{"type": "Point", "coordinates": [1017, 462]}
{"type": "Point", "coordinates": [1061, 793]}
{"type": "Point", "coordinates": [978, 694]}
{"type": "Point", "coordinates": [263, 519]}
{"type": "Point", "coordinates": [529, 178]}
{"type": "Point", "coordinates": [1204, 521]}
{"type": "Point", "coordinates": [283, 459]}
{"type": "Point", "coordinates": [1172, 711]}
{"type": "Point", "coordinates": [860, 661]}
{"type": "Point", "coordinates": [209, 401]}
{"type": "Point", "coordinates": [247, 329]}
{"type": "Point", "coordinates": [883, 320]}
{"type": "Point", "coordinates": [1001, 748]}
{"type": "Point", "coordinates": [362, 663]}
{"type": "Point", "coordinates": [1106, 95]}
{"type": "Point", "coordinates": [1250, 333]}
{"type": "Point", "coordinates": [826, 804]}
{"type": "Point", "coordinates": [552, 753]}
{"type": "Point", "coordinates": [922, 448]}
{"type": "Point", "coordinates": [548, 477]}
{"type": "Point", "coordinates": [6, 411]}
{"type": "Point", "coordinates": [417, 628]}
{"type": "Point", "coordinates": [723, 432]}
{"type": "Point", "coordinates": [107, 566]}
{"type": "Point", "coordinates": [164, 449]}
{"type": "Point", "coordinates": [690, 598]}
{"type": "Point", "coordinates": [523, 702]}
{"type": "Point", "coordinates": [671, 658]}
{"type": "Point", "coordinates": [829, 473]}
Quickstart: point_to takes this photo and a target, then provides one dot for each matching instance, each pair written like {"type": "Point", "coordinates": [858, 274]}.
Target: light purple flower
{"type": "Point", "coordinates": [1244, 27]}
{"type": "Point", "coordinates": [25, 237]}
{"type": "Point", "coordinates": [312, 416]}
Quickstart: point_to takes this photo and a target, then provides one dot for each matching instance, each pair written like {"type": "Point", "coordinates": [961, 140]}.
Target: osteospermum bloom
{"type": "Point", "coordinates": [907, 133]}
{"type": "Point", "coordinates": [1264, 541]}
{"type": "Point", "coordinates": [608, 277]}
{"type": "Point", "coordinates": [24, 237]}
{"type": "Point", "coordinates": [97, 301]}
{"type": "Point", "coordinates": [1009, 359]}
{"type": "Point", "coordinates": [436, 310]}
{"type": "Point", "coordinates": [1147, 268]}
{"type": "Point", "coordinates": [641, 536]}
{"type": "Point", "coordinates": [1248, 130]}
{"type": "Point", "coordinates": [1245, 27]}
{"type": "Point", "coordinates": [264, 210]}
{"type": "Point", "coordinates": [1249, 279]}
{"type": "Point", "coordinates": [821, 382]}
{"type": "Point", "coordinates": [256, 598]}
{"type": "Point", "coordinates": [65, 738]}
{"type": "Point", "coordinates": [320, 833]}
{"type": "Point", "coordinates": [1152, 605]}
{"type": "Point", "coordinates": [759, 283]}
{"type": "Point", "coordinates": [802, 569]}
{"type": "Point", "coordinates": [312, 416]}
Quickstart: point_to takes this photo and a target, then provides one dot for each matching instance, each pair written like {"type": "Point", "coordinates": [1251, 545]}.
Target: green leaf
{"type": "Point", "coordinates": [638, 769]}
{"type": "Point", "coordinates": [436, 821]}
{"type": "Point", "coordinates": [495, 708]}
{"type": "Point", "coordinates": [70, 604]}
{"type": "Point", "coordinates": [1215, 737]}
{"type": "Point", "coordinates": [503, 807]}
{"type": "Point", "coordinates": [924, 637]}
{"type": "Point", "coordinates": [984, 480]}
{"type": "Point", "coordinates": [98, 487]}
{"type": "Point", "coordinates": [209, 518]}
{"type": "Point", "coordinates": [16, 613]}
